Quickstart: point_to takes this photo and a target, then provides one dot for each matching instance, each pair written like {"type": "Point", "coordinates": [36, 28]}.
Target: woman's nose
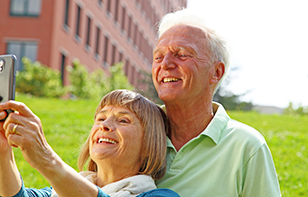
{"type": "Point", "coordinates": [107, 125]}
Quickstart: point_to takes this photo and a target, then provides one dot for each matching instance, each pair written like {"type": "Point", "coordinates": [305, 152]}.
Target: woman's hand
{"type": "Point", "coordinates": [10, 182]}
{"type": "Point", "coordinates": [4, 146]}
{"type": "Point", "coordinates": [23, 129]}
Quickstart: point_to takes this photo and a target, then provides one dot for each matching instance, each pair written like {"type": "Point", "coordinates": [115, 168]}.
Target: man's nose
{"type": "Point", "coordinates": [168, 62]}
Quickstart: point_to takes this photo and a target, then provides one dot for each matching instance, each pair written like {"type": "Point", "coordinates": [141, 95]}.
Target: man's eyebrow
{"type": "Point", "coordinates": [189, 49]}
{"type": "Point", "coordinates": [178, 48]}
{"type": "Point", "coordinates": [155, 50]}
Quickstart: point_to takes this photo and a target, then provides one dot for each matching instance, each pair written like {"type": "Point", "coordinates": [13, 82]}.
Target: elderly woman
{"type": "Point", "coordinates": [123, 155]}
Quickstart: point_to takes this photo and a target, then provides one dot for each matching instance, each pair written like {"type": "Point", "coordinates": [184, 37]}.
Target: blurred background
{"type": "Point", "coordinates": [268, 43]}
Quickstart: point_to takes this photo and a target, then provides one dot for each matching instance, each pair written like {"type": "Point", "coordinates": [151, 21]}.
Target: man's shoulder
{"type": "Point", "coordinates": [244, 133]}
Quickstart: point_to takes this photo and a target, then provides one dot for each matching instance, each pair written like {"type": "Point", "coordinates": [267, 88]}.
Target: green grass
{"type": "Point", "coordinates": [287, 138]}
{"type": "Point", "coordinates": [66, 126]}
{"type": "Point", "coordinates": [67, 123]}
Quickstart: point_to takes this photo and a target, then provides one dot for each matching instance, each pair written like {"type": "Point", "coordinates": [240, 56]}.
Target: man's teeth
{"type": "Point", "coordinates": [101, 140]}
{"type": "Point", "coordinates": [165, 80]}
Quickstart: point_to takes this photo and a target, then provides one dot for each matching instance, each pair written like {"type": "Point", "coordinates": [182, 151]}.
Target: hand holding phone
{"type": "Point", "coordinates": [7, 79]}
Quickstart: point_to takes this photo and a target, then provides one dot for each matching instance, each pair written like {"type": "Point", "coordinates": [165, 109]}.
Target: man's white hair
{"type": "Point", "coordinates": [216, 44]}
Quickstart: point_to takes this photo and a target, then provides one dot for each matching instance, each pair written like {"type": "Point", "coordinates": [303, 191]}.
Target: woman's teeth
{"type": "Point", "coordinates": [101, 140]}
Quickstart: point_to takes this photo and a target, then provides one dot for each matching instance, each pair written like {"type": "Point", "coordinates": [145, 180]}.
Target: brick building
{"type": "Point", "coordinates": [98, 33]}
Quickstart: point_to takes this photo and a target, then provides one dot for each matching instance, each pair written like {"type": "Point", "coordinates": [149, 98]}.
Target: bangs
{"type": "Point", "coordinates": [123, 98]}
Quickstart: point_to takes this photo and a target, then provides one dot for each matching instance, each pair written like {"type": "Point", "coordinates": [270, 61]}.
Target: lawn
{"type": "Point", "coordinates": [67, 123]}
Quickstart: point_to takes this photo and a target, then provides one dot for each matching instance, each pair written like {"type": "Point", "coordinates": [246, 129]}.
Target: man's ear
{"type": "Point", "coordinates": [219, 71]}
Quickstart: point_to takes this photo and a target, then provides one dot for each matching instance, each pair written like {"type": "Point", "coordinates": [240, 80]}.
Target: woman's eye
{"type": "Point", "coordinates": [100, 119]}
{"type": "Point", "coordinates": [124, 120]}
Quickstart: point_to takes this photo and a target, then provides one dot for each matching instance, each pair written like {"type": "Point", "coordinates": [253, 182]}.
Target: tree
{"type": "Point", "coordinates": [96, 84]}
{"type": "Point", "coordinates": [150, 91]}
{"type": "Point", "coordinates": [229, 100]}
{"type": "Point", "coordinates": [39, 80]}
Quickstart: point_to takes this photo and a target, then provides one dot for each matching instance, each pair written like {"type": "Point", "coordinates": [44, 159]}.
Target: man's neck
{"type": "Point", "coordinates": [188, 121]}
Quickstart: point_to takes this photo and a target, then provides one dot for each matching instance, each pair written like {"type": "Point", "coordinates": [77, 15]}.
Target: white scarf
{"type": "Point", "coordinates": [131, 186]}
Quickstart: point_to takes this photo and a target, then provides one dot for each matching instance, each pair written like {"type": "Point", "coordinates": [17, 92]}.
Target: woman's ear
{"type": "Point", "coordinates": [218, 72]}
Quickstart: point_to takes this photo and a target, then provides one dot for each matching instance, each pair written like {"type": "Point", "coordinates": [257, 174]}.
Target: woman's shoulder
{"type": "Point", "coordinates": [159, 193]}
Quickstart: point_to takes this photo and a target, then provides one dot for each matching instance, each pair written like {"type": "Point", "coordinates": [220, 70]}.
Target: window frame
{"type": "Point", "coordinates": [26, 9]}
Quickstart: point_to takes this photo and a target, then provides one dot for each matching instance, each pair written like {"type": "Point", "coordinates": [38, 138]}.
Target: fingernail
{"type": "Point", "coordinates": [2, 113]}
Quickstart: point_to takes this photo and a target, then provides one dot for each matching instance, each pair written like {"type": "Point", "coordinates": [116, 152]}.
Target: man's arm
{"type": "Point", "coordinates": [260, 178]}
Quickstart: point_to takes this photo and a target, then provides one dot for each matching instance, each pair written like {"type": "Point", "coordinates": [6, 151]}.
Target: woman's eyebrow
{"type": "Point", "coordinates": [119, 112]}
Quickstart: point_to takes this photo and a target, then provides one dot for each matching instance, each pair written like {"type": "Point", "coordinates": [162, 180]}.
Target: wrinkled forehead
{"type": "Point", "coordinates": [182, 35]}
{"type": "Point", "coordinates": [130, 105]}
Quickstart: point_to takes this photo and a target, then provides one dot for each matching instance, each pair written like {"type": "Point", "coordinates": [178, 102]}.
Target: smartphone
{"type": "Point", "coordinates": [7, 79]}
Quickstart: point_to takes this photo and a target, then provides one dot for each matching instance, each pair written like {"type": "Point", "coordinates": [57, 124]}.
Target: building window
{"type": "Point", "coordinates": [100, 3]}
{"type": "Point", "coordinates": [129, 34]}
{"type": "Point", "coordinates": [126, 67]}
{"type": "Point", "coordinates": [98, 32]}
{"type": "Point", "coordinates": [63, 58]}
{"type": "Point", "coordinates": [66, 14]}
{"type": "Point", "coordinates": [30, 8]}
{"type": "Point", "coordinates": [88, 33]}
{"type": "Point", "coordinates": [123, 18]}
{"type": "Point", "coordinates": [22, 49]}
{"type": "Point", "coordinates": [108, 6]}
{"type": "Point", "coordinates": [135, 33]}
{"type": "Point", "coordinates": [120, 56]}
{"type": "Point", "coordinates": [106, 50]}
{"type": "Point", "coordinates": [113, 54]}
{"type": "Point", "coordinates": [116, 11]}
{"type": "Point", "coordinates": [77, 35]}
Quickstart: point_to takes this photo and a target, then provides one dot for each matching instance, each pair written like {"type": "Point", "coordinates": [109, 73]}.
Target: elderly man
{"type": "Point", "coordinates": [209, 154]}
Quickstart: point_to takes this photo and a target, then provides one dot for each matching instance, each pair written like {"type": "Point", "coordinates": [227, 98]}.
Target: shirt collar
{"type": "Point", "coordinates": [217, 124]}
{"type": "Point", "coordinates": [215, 127]}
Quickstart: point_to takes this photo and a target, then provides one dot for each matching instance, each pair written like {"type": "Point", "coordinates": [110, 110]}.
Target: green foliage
{"type": "Point", "coordinates": [232, 102]}
{"type": "Point", "coordinates": [150, 91]}
{"type": "Point", "coordinates": [118, 79]}
{"type": "Point", "coordinates": [80, 85]}
{"type": "Point", "coordinates": [229, 100]}
{"type": "Point", "coordinates": [39, 80]}
{"type": "Point", "coordinates": [96, 84]}
{"type": "Point", "coordinates": [290, 110]}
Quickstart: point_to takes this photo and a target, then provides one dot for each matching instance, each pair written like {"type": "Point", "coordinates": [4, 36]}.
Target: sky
{"type": "Point", "coordinates": [268, 42]}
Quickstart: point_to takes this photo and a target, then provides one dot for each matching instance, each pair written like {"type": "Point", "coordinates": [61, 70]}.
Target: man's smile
{"type": "Point", "coordinates": [170, 79]}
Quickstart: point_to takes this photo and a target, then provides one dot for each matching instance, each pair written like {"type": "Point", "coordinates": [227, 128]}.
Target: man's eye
{"type": "Point", "coordinates": [157, 58]}
{"type": "Point", "coordinates": [183, 56]}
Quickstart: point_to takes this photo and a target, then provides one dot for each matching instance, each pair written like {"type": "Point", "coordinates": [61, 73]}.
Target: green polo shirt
{"type": "Point", "coordinates": [227, 159]}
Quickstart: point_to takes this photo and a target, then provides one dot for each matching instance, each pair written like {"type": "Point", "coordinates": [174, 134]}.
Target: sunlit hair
{"type": "Point", "coordinates": [155, 124]}
{"type": "Point", "coordinates": [217, 45]}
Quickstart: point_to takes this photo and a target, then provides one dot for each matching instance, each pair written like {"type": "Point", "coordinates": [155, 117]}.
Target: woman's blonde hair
{"type": "Point", "coordinates": [155, 125]}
